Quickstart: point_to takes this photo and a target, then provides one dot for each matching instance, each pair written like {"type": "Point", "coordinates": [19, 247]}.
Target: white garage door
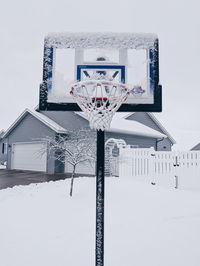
{"type": "Point", "coordinates": [28, 156]}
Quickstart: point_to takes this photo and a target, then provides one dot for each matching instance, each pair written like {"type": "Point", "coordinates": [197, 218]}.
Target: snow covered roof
{"type": "Point", "coordinates": [132, 127]}
{"type": "Point", "coordinates": [121, 125]}
{"type": "Point", "coordinates": [48, 122]}
{"type": "Point", "coordinates": [162, 127]}
{"type": "Point", "coordinates": [100, 40]}
{"type": "Point", "coordinates": [44, 119]}
{"type": "Point", "coordinates": [125, 115]}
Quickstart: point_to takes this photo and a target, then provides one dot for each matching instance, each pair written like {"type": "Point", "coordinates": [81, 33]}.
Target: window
{"type": "Point", "coordinates": [4, 148]}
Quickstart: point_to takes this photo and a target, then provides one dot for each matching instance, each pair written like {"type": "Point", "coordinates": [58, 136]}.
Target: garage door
{"type": "Point", "coordinates": [28, 156]}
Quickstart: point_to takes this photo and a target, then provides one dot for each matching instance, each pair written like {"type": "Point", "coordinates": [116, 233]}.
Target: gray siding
{"type": "Point", "coordinates": [71, 120]}
{"type": "Point", "coordinates": [144, 118]}
{"type": "Point", "coordinates": [3, 157]}
{"type": "Point", "coordinates": [164, 145]}
{"type": "Point", "coordinates": [142, 142]}
{"type": "Point", "coordinates": [28, 130]}
{"type": "Point", "coordinates": [68, 120]}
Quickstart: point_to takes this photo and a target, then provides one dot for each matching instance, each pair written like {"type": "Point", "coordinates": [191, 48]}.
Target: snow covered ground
{"type": "Point", "coordinates": [41, 225]}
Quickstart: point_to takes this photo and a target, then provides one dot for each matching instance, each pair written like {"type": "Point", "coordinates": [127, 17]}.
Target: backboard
{"type": "Point", "coordinates": [120, 57]}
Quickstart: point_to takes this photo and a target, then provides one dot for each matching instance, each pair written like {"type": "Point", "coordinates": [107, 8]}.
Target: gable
{"type": "Point", "coordinates": [29, 129]}
{"type": "Point", "coordinates": [68, 120]}
{"type": "Point", "coordinates": [150, 121]}
{"type": "Point", "coordinates": [42, 119]}
{"type": "Point", "coordinates": [144, 119]}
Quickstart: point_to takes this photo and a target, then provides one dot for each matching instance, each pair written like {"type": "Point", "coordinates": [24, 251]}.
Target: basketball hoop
{"type": "Point", "coordinates": [99, 100]}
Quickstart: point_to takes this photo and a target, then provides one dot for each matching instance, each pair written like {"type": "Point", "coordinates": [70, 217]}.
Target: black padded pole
{"type": "Point", "coordinates": [100, 178]}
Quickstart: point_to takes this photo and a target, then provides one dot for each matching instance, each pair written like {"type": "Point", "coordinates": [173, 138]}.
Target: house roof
{"type": "Point", "coordinates": [163, 129]}
{"type": "Point", "coordinates": [152, 116]}
{"type": "Point", "coordinates": [121, 125]}
{"type": "Point", "coordinates": [186, 139]}
{"type": "Point", "coordinates": [124, 115]}
{"type": "Point", "coordinates": [132, 127]}
{"type": "Point", "coordinates": [44, 119]}
{"type": "Point", "coordinates": [197, 146]}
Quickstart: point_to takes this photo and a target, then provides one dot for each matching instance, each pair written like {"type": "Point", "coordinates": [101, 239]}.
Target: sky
{"type": "Point", "coordinates": [23, 25]}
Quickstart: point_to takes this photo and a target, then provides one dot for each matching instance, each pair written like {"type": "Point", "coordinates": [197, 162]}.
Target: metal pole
{"type": "Point", "coordinates": [100, 177]}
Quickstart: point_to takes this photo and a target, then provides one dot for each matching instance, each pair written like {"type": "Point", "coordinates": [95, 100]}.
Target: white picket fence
{"type": "Point", "coordinates": [169, 169]}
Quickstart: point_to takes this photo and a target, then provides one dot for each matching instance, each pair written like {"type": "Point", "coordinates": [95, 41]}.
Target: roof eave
{"type": "Point", "coordinates": [15, 123]}
{"type": "Point", "coordinates": [162, 128]}
{"type": "Point", "coordinates": [19, 119]}
{"type": "Point", "coordinates": [158, 124]}
{"type": "Point", "coordinates": [159, 136]}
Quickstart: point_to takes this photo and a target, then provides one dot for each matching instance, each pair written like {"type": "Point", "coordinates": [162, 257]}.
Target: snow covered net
{"type": "Point", "coordinates": [99, 100]}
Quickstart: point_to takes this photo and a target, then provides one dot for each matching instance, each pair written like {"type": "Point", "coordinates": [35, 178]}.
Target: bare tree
{"type": "Point", "coordinates": [74, 148]}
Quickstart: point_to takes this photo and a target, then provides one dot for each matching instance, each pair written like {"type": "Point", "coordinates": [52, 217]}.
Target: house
{"type": "Point", "coordinates": [23, 139]}
{"type": "Point", "coordinates": [186, 140]}
{"type": "Point", "coordinates": [196, 147]}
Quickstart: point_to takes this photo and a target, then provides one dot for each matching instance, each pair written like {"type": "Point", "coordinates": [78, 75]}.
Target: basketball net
{"type": "Point", "coordinates": [99, 100]}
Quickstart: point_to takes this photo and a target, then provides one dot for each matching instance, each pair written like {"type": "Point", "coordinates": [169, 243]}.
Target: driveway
{"type": "Point", "coordinates": [11, 178]}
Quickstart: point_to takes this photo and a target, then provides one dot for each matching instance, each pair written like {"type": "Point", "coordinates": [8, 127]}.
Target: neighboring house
{"type": "Point", "coordinates": [186, 139]}
{"type": "Point", "coordinates": [162, 143]}
{"type": "Point", "coordinates": [24, 137]}
{"type": "Point", "coordinates": [196, 147]}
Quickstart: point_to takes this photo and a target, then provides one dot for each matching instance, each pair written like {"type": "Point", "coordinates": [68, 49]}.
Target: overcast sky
{"type": "Point", "coordinates": [23, 25]}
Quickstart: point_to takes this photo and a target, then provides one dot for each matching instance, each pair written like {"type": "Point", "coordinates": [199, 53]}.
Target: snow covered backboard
{"type": "Point", "coordinates": [120, 57]}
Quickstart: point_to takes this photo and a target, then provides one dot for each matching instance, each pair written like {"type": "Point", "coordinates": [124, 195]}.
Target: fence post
{"type": "Point", "coordinates": [176, 164]}
{"type": "Point", "coordinates": [152, 170]}
{"type": "Point", "coordinates": [176, 181]}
